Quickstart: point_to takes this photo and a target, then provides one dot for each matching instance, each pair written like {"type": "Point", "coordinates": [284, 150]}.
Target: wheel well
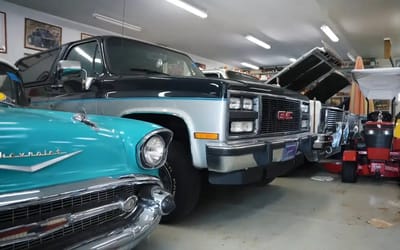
{"type": "Point", "coordinates": [176, 124]}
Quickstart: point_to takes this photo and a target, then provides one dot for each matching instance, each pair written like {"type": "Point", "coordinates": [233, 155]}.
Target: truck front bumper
{"type": "Point", "coordinates": [261, 156]}
{"type": "Point", "coordinates": [323, 148]}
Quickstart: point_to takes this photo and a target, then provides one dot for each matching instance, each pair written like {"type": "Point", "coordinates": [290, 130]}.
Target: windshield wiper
{"type": "Point", "coordinates": [148, 71]}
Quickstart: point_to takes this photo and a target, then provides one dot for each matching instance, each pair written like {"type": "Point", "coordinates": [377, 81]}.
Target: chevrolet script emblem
{"type": "Point", "coordinates": [36, 167]}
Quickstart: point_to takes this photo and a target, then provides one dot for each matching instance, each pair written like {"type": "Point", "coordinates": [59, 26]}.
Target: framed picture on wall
{"type": "Point", "coordinates": [86, 35]}
{"type": "Point", "coordinates": [41, 36]}
{"type": "Point", "coordinates": [3, 32]}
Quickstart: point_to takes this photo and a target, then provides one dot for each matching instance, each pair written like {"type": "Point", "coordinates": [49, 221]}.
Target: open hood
{"type": "Point", "coordinates": [378, 83]}
{"type": "Point", "coordinates": [313, 74]}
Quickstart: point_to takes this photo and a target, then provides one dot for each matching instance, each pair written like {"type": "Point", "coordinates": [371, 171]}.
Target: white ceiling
{"type": "Point", "coordinates": [291, 27]}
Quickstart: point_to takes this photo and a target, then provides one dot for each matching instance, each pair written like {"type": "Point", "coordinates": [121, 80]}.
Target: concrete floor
{"type": "Point", "coordinates": [294, 212]}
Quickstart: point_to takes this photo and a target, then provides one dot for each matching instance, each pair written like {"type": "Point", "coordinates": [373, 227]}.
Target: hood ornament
{"type": "Point", "coordinates": [82, 117]}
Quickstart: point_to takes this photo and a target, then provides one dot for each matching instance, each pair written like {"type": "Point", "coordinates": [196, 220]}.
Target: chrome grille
{"type": "Point", "coordinates": [332, 117]}
{"type": "Point", "coordinates": [78, 201]}
{"type": "Point", "coordinates": [73, 204]}
{"type": "Point", "coordinates": [76, 228]}
{"type": "Point", "coordinates": [269, 117]}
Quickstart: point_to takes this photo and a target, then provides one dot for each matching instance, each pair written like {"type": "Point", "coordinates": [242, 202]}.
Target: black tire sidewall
{"type": "Point", "coordinates": [185, 180]}
{"type": "Point", "coordinates": [349, 172]}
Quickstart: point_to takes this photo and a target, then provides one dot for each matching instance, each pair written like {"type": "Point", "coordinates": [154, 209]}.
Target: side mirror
{"type": "Point", "coordinates": [69, 69]}
{"type": "Point", "coordinates": [72, 70]}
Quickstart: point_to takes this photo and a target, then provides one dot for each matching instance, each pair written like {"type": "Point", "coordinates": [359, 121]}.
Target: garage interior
{"type": "Point", "coordinates": [309, 209]}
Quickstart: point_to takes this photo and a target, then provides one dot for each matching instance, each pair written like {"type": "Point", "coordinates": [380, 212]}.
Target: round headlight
{"type": "Point", "coordinates": [153, 152]}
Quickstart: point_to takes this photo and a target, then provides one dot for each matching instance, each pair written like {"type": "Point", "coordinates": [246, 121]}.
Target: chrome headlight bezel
{"type": "Point", "coordinates": [152, 150]}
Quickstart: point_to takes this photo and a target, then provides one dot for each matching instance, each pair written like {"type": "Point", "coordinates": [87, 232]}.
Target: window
{"type": "Point", "coordinates": [213, 75]}
{"type": "Point", "coordinates": [90, 57]}
{"type": "Point", "coordinates": [36, 68]}
{"type": "Point", "coordinates": [130, 57]}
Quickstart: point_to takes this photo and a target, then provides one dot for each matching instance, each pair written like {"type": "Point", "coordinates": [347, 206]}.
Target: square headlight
{"type": "Point", "coordinates": [234, 103]}
{"type": "Point", "coordinates": [304, 123]}
{"type": "Point", "coordinates": [242, 127]}
{"type": "Point", "coordinates": [248, 104]}
{"type": "Point", "coordinates": [304, 108]}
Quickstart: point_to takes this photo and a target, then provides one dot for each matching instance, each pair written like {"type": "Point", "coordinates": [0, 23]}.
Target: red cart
{"type": "Point", "coordinates": [375, 150]}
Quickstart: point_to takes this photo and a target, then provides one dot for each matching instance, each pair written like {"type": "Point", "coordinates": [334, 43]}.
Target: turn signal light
{"type": "Point", "coordinates": [206, 136]}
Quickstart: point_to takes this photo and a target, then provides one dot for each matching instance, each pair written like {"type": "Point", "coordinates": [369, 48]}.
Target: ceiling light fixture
{"type": "Point", "coordinates": [351, 57]}
{"type": "Point", "coordinates": [111, 20]}
{"type": "Point", "coordinates": [292, 59]}
{"type": "Point", "coordinates": [248, 65]}
{"type": "Point", "coordinates": [329, 33]}
{"type": "Point", "coordinates": [258, 42]}
{"type": "Point", "coordinates": [189, 8]}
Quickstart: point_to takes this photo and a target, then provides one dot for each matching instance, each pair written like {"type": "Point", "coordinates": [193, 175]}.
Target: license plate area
{"type": "Point", "coordinates": [285, 153]}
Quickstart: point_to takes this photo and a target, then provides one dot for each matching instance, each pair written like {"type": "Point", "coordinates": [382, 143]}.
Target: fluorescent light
{"type": "Point", "coordinates": [189, 8]}
{"type": "Point", "coordinates": [117, 22]}
{"type": "Point", "coordinates": [258, 42]}
{"type": "Point", "coordinates": [329, 33]}
{"type": "Point", "coordinates": [350, 56]}
{"type": "Point", "coordinates": [86, 55]}
{"type": "Point", "coordinates": [292, 59]}
{"type": "Point", "coordinates": [248, 65]}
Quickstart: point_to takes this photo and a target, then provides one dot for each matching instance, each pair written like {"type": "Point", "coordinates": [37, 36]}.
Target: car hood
{"type": "Point", "coordinates": [43, 148]}
{"type": "Point", "coordinates": [202, 87]}
{"type": "Point", "coordinates": [314, 74]}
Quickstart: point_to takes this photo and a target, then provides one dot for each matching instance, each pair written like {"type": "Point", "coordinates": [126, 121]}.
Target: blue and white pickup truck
{"type": "Point", "coordinates": [76, 181]}
{"type": "Point", "coordinates": [227, 131]}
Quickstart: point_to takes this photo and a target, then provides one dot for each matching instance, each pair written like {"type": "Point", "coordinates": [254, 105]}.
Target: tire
{"type": "Point", "coordinates": [182, 180]}
{"type": "Point", "coordinates": [349, 172]}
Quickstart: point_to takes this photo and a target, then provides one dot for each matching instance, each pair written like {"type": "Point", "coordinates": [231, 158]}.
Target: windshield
{"type": "Point", "coordinates": [240, 76]}
{"type": "Point", "coordinates": [130, 57]}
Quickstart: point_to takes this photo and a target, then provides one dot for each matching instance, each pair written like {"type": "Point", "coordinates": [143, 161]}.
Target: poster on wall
{"type": "Point", "coordinates": [41, 36]}
{"type": "Point", "coordinates": [3, 32]}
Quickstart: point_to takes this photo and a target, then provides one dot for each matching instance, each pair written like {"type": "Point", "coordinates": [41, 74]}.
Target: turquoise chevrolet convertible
{"type": "Point", "coordinates": [76, 181]}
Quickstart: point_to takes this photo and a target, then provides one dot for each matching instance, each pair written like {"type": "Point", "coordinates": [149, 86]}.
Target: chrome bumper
{"type": "Point", "coordinates": [225, 158]}
{"type": "Point", "coordinates": [323, 141]}
{"type": "Point", "coordinates": [153, 205]}
{"type": "Point", "coordinates": [109, 222]}
{"type": "Point", "coordinates": [129, 236]}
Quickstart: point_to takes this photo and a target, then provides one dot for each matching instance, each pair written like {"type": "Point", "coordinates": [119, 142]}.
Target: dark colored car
{"type": "Point", "coordinates": [42, 38]}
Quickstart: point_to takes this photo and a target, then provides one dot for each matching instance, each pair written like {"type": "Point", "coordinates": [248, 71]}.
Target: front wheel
{"type": "Point", "coordinates": [349, 172]}
{"type": "Point", "coordinates": [182, 180]}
